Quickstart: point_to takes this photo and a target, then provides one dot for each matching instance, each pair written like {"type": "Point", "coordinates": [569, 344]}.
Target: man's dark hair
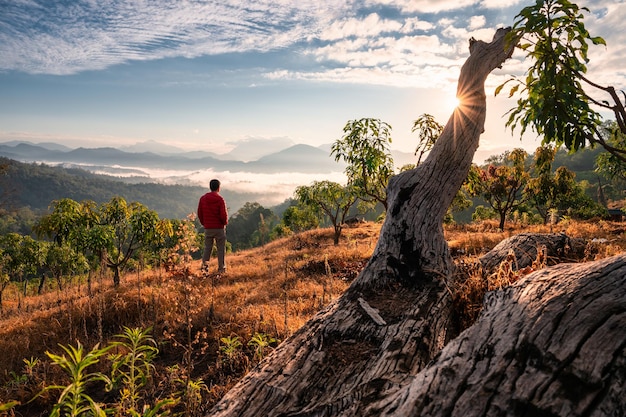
{"type": "Point", "coordinates": [214, 185]}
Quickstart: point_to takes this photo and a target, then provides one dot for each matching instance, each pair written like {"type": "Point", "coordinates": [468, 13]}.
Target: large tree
{"type": "Point", "coordinates": [397, 315]}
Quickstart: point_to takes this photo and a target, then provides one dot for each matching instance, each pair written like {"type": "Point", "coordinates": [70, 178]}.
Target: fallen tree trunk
{"type": "Point", "coordinates": [552, 248]}
{"type": "Point", "coordinates": [554, 344]}
{"type": "Point", "coordinates": [397, 315]}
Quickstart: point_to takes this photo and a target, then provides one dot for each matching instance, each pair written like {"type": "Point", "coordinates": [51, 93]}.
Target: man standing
{"type": "Point", "coordinates": [214, 218]}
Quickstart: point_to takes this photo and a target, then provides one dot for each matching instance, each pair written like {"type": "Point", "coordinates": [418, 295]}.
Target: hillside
{"type": "Point", "coordinates": [37, 185]}
{"type": "Point", "coordinates": [269, 292]}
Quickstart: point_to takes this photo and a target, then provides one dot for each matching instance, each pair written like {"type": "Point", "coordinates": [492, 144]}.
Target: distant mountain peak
{"type": "Point", "coordinates": [152, 146]}
{"type": "Point", "coordinates": [251, 149]}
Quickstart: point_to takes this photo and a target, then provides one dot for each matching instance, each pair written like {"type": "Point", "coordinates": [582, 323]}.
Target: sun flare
{"type": "Point", "coordinates": [452, 103]}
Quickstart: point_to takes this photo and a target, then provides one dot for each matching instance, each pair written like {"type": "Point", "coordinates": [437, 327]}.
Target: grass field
{"type": "Point", "coordinates": [210, 330]}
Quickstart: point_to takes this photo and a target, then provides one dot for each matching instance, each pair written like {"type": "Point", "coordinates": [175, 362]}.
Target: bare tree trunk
{"type": "Point", "coordinates": [396, 316]}
{"type": "Point", "coordinates": [527, 247]}
{"type": "Point", "coordinates": [552, 345]}
{"type": "Point", "coordinates": [337, 234]}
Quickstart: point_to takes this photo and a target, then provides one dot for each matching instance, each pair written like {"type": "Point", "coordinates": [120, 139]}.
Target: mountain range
{"type": "Point", "coordinates": [297, 158]}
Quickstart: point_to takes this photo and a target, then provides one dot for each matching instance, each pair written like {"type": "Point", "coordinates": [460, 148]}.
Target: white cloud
{"type": "Point", "coordinates": [426, 6]}
{"type": "Point", "coordinates": [57, 38]}
{"type": "Point", "coordinates": [477, 22]}
{"type": "Point", "coordinates": [53, 37]}
{"type": "Point", "coordinates": [370, 26]}
{"type": "Point", "coordinates": [501, 4]}
{"type": "Point", "coordinates": [606, 64]}
{"type": "Point", "coordinates": [415, 24]}
{"type": "Point", "coordinates": [276, 188]}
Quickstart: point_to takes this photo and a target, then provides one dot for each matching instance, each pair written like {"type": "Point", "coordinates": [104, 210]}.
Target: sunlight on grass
{"type": "Point", "coordinates": [269, 291]}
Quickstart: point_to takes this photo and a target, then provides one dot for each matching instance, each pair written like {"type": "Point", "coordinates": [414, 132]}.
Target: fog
{"type": "Point", "coordinates": [268, 189]}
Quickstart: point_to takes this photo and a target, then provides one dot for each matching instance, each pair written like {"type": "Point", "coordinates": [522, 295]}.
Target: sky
{"type": "Point", "coordinates": [212, 75]}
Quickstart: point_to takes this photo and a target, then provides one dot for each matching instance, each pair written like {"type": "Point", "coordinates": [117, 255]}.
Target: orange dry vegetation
{"type": "Point", "coordinates": [272, 290]}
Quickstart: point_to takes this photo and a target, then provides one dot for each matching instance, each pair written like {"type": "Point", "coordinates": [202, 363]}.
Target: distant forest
{"type": "Point", "coordinates": [27, 189]}
{"type": "Point", "coordinates": [35, 186]}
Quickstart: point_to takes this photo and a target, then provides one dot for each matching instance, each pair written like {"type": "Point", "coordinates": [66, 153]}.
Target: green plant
{"type": "Point", "coordinates": [260, 342]}
{"type": "Point", "coordinates": [192, 394]}
{"type": "Point", "coordinates": [230, 346]}
{"type": "Point", "coordinates": [17, 379]}
{"type": "Point", "coordinates": [364, 147]}
{"type": "Point", "coordinates": [74, 400]}
{"type": "Point", "coordinates": [23, 378]}
{"type": "Point", "coordinates": [30, 365]}
{"type": "Point", "coordinates": [8, 407]}
{"type": "Point", "coordinates": [133, 369]}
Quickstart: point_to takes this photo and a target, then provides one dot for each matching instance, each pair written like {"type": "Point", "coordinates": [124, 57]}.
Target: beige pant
{"type": "Point", "coordinates": [219, 237]}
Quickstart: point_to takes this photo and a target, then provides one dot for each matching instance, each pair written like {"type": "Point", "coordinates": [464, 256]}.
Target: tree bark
{"type": "Point", "coordinates": [554, 248]}
{"type": "Point", "coordinates": [554, 344]}
{"type": "Point", "coordinates": [396, 316]}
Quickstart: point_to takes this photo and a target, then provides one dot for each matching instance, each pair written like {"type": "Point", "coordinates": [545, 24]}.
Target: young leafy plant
{"type": "Point", "coordinates": [133, 369]}
{"type": "Point", "coordinates": [74, 399]}
{"type": "Point", "coordinates": [260, 342]}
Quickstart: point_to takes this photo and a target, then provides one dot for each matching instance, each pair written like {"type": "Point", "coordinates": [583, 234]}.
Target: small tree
{"type": "Point", "coordinates": [365, 148]}
{"type": "Point", "coordinates": [331, 199]}
{"type": "Point", "coordinates": [300, 217]}
{"type": "Point", "coordinates": [60, 225]}
{"type": "Point", "coordinates": [550, 192]}
{"type": "Point", "coordinates": [22, 258]}
{"type": "Point", "coordinates": [428, 130]}
{"type": "Point", "coordinates": [61, 261]}
{"type": "Point", "coordinates": [501, 186]}
{"type": "Point", "coordinates": [73, 226]}
{"type": "Point", "coordinates": [127, 228]}
{"type": "Point", "coordinates": [164, 239]}
{"type": "Point", "coordinates": [609, 164]}
{"type": "Point", "coordinates": [12, 265]}
{"type": "Point", "coordinates": [32, 255]}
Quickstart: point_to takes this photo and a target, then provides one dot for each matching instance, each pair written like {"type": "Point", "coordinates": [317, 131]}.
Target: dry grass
{"type": "Point", "coordinates": [271, 290]}
{"type": "Point", "coordinates": [468, 242]}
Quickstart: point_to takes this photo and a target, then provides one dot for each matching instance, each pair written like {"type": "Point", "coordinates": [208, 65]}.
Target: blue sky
{"type": "Point", "coordinates": [211, 75]}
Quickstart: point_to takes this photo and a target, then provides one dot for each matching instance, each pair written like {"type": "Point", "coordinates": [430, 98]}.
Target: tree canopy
{"type": "Point", "coordinates": [331, 199]}
{"type": "Point", "coordinates": [501, 185]}
{"type": "Point", "coordinates": [364, 146]}
{"type": "Point", "coordinates": [553, 100]}
{"type": "Point", "coordinates": [428, 131]}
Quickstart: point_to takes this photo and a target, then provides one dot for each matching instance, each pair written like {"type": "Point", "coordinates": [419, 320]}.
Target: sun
{"type": "Point", "coordinates": [452, 102]}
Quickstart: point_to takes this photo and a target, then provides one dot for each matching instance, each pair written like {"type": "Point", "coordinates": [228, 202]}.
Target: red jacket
{"type": "Point", "coordinates": [212, 211]}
